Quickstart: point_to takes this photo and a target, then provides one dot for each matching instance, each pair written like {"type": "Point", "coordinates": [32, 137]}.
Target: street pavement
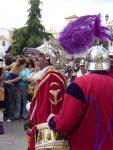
{"type": "Point", "coordinates": [14, 137]}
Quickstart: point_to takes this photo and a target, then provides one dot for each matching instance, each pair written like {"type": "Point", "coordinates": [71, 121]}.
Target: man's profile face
{"type": "Point", "coordinates": [41, 59]}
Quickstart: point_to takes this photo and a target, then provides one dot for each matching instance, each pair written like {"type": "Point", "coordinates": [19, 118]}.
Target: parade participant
{"type": "Point", "coordinates": [111, 61]}
{"type": "Point", "coordinates": [2, 105]}
{"type": "Point", "coordinates": [86, 115]}
{"type": "Point", "coordinates": [82, 69]}
{"type": "Point", "coordinates": [48, 96]}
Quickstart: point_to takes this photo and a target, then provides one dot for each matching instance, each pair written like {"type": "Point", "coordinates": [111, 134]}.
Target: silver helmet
{"type": "Point", "coordinates": [97, 59]}
{"type": "Point", "coordinates": [50, 52]}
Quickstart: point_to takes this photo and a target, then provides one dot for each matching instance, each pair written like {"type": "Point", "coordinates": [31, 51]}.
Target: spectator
{"type": "Point", "coordinates": [11, 86]}
{"type": "Point", "coordinates": [32, 79]}
{"type": "Point", "coordinates": [82, 69]}
{"type": "Point", "coordinates": [22, 93]}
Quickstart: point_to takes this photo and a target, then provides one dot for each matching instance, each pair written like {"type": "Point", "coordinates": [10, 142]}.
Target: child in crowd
{"type": "Point", "coordinates": [16, 68]}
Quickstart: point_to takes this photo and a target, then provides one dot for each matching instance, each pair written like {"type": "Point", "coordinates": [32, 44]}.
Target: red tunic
{"type": "Point", "coordinates": [87, 113]}
{"type": "Point", "coordinates": [48, 98]}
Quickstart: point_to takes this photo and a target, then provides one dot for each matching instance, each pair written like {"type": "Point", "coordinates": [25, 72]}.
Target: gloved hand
{"type": "Point", "coordinates": [28, 125]}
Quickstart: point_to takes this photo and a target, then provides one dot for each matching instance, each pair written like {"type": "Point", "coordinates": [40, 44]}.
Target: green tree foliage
{"type": "Point", "coordinates": [34, 40]}
{"type": "Point", "coordinates": [33, 33]}
{"type": "Point", "coordinates": [19, 40]}
{"type": "Point", "coordinates": [105, 44]}
{"type": "Point", "coordinates": [34, 22]}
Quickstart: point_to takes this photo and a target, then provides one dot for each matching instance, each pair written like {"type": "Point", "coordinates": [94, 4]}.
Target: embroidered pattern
{"type": "Point", "coordinates": [55, 99]}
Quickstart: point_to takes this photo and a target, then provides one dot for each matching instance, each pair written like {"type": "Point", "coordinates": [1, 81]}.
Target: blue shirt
{"type": "Point", "coordinates": [24, 75]}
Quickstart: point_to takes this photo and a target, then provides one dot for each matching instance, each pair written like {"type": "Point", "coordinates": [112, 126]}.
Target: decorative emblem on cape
{"type": "Point", "coordinates": [55, 100]}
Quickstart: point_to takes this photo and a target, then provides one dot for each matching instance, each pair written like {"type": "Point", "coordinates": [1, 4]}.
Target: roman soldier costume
{"type": "Point", "coordinates": [86, 115]}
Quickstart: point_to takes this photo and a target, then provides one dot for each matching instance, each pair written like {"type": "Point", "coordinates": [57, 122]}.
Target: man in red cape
{"type": "Point", "coordinates": [47, 99]}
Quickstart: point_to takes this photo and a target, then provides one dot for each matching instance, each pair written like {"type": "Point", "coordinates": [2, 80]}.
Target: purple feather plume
{"type": "Point", "coordinates": [80, 34]}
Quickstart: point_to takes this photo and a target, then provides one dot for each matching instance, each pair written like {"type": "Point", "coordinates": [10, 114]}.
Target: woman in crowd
{"type": "Point", "coordinates": [22, 95]}
{"type": "Point", "coordinates": [11, 85]}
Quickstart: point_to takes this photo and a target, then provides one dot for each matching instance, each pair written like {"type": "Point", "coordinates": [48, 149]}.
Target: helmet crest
{"type": "Point", "coordinates": [79, 35]}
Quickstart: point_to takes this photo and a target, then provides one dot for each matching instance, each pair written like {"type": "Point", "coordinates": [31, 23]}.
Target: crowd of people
{"type": "Point", "coordinates": [15, 84]}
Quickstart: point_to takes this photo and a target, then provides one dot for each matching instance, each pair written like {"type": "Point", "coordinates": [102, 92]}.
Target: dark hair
{"type": "Point", "coordinates": [8, 60]}
{"type": "Point", "coordinates": [27, 64]}
{"type": "Point", "coordinates": [32, 63]}
{"type": "Point", "coordinates": [21, 61]}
